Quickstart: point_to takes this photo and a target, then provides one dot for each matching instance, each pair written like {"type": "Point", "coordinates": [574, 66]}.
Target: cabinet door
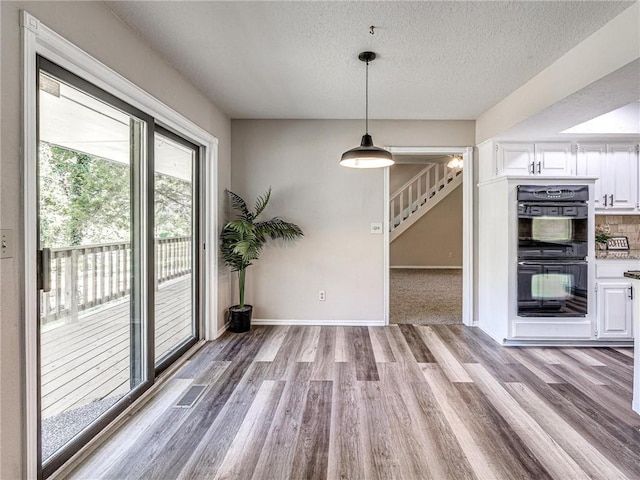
{"type": "Point", "coordinates": [592, 161]}
{"type": "Point", "coordinates": [516, 158]}
{"type": "Point", "coordinates": [622, 170]}
{"type": "Point", "coordinates": [614, 310]}
{"type": "Point", "coordinates": [554, 159]}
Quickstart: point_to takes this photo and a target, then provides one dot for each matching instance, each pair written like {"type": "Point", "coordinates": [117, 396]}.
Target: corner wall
{"type": "Point", "coordinates": [334, 206]}
{"type": "Point", "coordinates": [94, 28]}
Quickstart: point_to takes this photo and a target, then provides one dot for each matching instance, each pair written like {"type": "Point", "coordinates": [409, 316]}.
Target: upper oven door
{"type": "Point", "coordinates": [547, 232]}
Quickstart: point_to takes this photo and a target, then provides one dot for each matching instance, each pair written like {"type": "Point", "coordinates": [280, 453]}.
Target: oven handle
{"type": "Point", "coordinates": [551, 203]}
{"type": "Point", "coordinates": [555, 262]}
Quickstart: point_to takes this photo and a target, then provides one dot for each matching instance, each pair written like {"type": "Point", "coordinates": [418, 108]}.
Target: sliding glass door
{"type": "Point", "coordinates": [176, 245]}
{"type": "Point", "coordinates": [118, 214]}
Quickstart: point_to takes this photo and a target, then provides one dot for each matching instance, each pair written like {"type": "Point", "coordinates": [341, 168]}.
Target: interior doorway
{"type": "Point", "coordinates": [429, 235]}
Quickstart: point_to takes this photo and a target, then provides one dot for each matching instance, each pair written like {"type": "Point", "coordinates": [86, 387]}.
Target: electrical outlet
{"type": "Point", "coordinates": [450, 254]}
{"type": "Point", "coordinates": [322, 296]}
{"type": "Point", "coordinates": [6, 243]}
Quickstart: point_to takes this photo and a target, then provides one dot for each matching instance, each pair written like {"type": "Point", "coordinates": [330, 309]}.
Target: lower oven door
{"type": "Point", "coordinates": [552, 288]}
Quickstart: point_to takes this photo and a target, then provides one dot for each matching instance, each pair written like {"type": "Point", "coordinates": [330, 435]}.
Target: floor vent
{"type": "Point", "coordinates": [189, 399]}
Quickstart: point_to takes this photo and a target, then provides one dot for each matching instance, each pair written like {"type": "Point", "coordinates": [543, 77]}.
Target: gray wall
{"type": "Point", "coordinates": [92, 27]}
{"type": "Point", "coordinates": [333, 205]}
{"type": "Point", "coordinates": [435, 240]}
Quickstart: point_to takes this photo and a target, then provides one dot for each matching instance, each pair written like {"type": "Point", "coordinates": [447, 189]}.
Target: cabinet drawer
{"type": "Point", "coordinates": [615, 268]}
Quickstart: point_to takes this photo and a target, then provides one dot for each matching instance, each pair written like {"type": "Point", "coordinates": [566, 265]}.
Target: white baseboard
{"type": "Point", "coordinates": [340, 323]}
{"type": "Point", "coordinates": [221, 330]}
{"type": "Point", "coordinates": [429, 267]}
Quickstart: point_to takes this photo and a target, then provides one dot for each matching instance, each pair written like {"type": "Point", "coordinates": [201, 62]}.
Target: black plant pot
{"type": "Point", "coordinates": [240, 318]}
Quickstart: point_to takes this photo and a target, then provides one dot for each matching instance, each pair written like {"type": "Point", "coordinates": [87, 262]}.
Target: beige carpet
{"type": "Point", "coordinates": [425, 297]}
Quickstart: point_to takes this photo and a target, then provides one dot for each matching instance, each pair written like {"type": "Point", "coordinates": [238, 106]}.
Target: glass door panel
{"type": "Point", "coordinates": [91, 348]}
{"type": "Point", "coordinates": [176, 233]}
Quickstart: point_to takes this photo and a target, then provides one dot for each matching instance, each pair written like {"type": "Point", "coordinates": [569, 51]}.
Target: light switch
{"type": "Point", "coordinates": [376, 228]}
{"type": "Point", "coordinates": [6, 243]}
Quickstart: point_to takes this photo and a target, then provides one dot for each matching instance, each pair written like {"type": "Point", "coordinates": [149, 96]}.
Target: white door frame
{"type": "Point", "coordinates": [38, 39]}
{"type": "Point", "coordinates": [467, 224]}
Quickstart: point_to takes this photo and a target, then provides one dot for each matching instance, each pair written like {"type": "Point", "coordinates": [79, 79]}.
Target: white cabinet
{"type": "Point", "coordinates": [615, 310]}
{"type": "Point", "coordinates": [555, 159]}
{"type": "Point", "coordinates": [540, 159]}
{"type": "Point", "coordinates": [516, 158]}
{"type": "Point", "coordinates": [616, 166]}
{"type": "Point", "coordinates": [614, 298]}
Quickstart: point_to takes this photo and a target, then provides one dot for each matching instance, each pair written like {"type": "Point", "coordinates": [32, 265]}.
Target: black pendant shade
{"type": "Point", "coordinates": [367, 155]}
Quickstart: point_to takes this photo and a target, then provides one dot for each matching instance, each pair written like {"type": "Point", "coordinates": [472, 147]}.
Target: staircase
{"type": "Point", "coordinates": [419, 195]}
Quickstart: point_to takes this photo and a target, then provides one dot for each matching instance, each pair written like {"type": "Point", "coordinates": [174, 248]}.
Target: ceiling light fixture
{"type": "Point", "coordinates": [455, 162]}
{"type": "Point", "coordinates": [367, 155]}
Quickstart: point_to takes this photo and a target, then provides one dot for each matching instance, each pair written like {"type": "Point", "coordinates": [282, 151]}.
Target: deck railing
{"type": "Point", "coordinates": [87, 276]}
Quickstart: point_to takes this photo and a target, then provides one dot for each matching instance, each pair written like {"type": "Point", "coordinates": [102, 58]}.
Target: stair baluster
{"type": "Point", "coordinates": [420, 194]}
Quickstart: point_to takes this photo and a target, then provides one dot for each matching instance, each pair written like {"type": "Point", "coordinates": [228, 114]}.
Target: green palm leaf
{"type": "Point", "coordinates": [238, 204]}
{"type": "Point", "coordinates": [278, 228]}
{"type": "Point", "coordinates": [261, 203]}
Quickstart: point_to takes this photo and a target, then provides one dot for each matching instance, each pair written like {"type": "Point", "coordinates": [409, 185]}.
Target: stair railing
{"type": "Point", "coordinates": [418, 190]}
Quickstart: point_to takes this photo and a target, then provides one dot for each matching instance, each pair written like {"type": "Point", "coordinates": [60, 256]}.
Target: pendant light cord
{"type": "Point", "coordinates": [366, 101]}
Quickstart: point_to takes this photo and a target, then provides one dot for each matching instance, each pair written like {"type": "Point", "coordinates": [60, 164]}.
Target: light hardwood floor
{"type": "Point", "coordinates": [405, 402]}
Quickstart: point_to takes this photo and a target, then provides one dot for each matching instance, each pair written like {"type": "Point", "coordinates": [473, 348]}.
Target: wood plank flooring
{"type": "Point", "coordinates": [397, 402]}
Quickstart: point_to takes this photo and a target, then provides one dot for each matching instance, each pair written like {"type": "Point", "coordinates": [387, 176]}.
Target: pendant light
{"type": "Point", "coordinates": [367, 155]}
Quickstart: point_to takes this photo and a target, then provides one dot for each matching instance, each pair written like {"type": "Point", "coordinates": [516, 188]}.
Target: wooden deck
{"type": "Point", "coordinates": [88, 360]}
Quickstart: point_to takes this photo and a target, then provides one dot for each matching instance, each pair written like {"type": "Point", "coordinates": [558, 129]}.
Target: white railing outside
{"type": "Point", "coordinates": [87, 276]}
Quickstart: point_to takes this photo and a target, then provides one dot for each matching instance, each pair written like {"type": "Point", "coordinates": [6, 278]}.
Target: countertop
{"type": "Point", "coordinates": [618, 254]}
{"type": "Point", "coordinates": [635, 274]}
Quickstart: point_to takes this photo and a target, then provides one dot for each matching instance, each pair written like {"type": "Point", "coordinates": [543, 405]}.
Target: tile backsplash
{"type": "Point", "coordinates": [623, 226]}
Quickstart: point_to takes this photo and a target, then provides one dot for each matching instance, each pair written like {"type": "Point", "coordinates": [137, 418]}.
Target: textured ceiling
{"type": "Point", "coordinates": [437, 60]}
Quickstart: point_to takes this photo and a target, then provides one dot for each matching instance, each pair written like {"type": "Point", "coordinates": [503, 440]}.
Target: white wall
{"type": "Point", "coordinates": [92, 27]}
{"type": "Point", "coordinates": [334, 206]}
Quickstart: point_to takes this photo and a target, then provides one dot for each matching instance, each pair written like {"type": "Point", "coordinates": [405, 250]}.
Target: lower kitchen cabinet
{"type": "Point", "coordinates": [614, 302]}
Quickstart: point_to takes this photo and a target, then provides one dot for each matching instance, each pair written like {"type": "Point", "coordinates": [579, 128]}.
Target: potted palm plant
{"type": "Point", "coordinates": [241, 242]}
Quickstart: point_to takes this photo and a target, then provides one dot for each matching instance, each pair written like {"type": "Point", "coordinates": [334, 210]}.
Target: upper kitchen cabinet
{"type": "Point", "coordinates": [542, 159]}
{"type": "Point", "coordinates": [616, 166]}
